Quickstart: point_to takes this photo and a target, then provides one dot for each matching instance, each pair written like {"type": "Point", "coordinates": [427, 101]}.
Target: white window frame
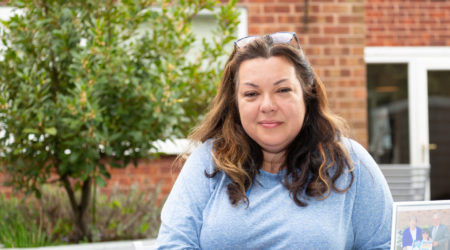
{"type": "Point", "coordinates": [242, 29]}
{"type": "Point", "coordinates": [6, 12]}
{"type": "Point", "coordinates": [419, 60]}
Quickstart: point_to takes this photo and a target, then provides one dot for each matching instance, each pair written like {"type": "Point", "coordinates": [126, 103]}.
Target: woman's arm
{"type": "Point", "coordinates": [181, 216]}
{"type": "Point", "coordinates": [372, 210]}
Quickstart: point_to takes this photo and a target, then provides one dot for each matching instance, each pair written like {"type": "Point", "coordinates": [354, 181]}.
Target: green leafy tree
{"type": "Point", "coordinates": [89, 83]}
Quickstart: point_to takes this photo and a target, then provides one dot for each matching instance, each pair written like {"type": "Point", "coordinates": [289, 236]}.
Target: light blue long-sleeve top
{"type": "Point", "coordinates": [199, 215]}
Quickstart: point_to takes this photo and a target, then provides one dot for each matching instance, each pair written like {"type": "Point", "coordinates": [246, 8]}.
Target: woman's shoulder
{"type": "Point", "coordinates": [353, 147]}
{"type": "Point", "coordinates": [358, 154]}
{"type": "Point", "coordinates": [367, 172]}
{"type": "Point", "coordinates": [198, 165]}
{"type": "Point", "coordinates": [201, 148]}
{"type": "Point", "coordinates": [200, 155]}
{"type": "Point", "coordinates": [364, 166]}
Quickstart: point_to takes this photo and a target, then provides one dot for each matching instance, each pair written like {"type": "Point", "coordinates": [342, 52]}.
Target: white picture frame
{"type": "Point", "coordinates": [423, 211]}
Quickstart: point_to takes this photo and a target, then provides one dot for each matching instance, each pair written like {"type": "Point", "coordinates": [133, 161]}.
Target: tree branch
{"type": "Point", "coordinates": [85, 194]}
{"type": "Point", "coordinates": [70, 193]}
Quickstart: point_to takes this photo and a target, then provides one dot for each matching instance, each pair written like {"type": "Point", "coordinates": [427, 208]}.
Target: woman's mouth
{"type": "Point", "coordinates": [270, 124]}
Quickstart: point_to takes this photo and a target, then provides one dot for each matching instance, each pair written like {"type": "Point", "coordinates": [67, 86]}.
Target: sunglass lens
{"type": "Point", "coordinates": [282, 37]}
{"type": "Point", "coordinates": [243, 41]}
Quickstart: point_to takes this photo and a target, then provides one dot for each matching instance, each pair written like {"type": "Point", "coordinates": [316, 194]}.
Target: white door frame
{"type": "Point", "coordinates": [419, 60]}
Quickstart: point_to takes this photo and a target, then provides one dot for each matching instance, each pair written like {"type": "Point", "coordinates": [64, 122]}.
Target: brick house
{"type": "Point", "coordinates": [385, 65]}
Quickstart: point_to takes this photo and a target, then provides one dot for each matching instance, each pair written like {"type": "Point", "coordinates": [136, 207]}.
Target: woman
{"type": "Point", "coordinates": [273, 170]}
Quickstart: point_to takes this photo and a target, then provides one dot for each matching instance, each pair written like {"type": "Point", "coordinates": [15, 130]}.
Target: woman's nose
{"type": "Point", "coordinates": [268, 104]}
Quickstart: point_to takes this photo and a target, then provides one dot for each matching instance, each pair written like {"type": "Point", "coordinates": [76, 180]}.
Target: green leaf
{"type": "Point", "coordinates": [30, 131]}
{"type": "Point", "coordinates": [100, 181]}
{"type": "Point", "coordinates": [50, 131]}
{"type": "Point", "coordinates": [116, 204]}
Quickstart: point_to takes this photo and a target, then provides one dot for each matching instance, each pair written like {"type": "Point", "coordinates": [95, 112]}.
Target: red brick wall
{"type": "Point", "coordinates": [333, 39]}
{"type": "Point", "coordinates": [3, 189]}
{"type": "Point", "coordinates": [146, 176]}
{"type": "Point", "coordinates": [408, 23]}
{"type": "Point", "coordinates": [149, 173]}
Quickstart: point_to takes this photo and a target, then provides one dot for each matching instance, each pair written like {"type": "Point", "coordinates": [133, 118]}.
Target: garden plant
{"type": "Point", "coordinates": [89, 84]}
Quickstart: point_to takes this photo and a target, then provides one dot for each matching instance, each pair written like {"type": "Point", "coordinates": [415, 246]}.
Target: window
{"type": "Point", "coordinates": [387, 87]}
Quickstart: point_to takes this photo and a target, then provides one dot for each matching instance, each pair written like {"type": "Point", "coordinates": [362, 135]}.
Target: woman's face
{"type": "Point", "coordinates": [270, 102]}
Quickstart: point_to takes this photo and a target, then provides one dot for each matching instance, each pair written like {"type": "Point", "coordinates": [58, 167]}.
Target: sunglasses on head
{"type": "Point", "coordinates": [278, 37]}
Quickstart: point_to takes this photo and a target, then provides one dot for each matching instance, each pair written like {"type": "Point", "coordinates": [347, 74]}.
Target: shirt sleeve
{"type": "Point", "coordinates": [372, 208]}
{"type": "Point", "coordinates": [405, 238]}
{"type": "Point", "coordinates": [181, 216]}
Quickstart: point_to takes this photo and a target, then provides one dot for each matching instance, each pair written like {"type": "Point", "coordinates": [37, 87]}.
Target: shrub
{"type": "Point", "coordinates": [83, 85]}
{"type": "Point", "coordinates": [21, 224]}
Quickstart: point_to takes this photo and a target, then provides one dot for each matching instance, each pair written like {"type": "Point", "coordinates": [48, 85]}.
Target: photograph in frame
{"type": "Point", "coordinates": [415, 223]}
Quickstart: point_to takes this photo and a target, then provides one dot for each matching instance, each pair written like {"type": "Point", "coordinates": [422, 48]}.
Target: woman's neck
{"type": "Point", "coordinates": [273, 162]}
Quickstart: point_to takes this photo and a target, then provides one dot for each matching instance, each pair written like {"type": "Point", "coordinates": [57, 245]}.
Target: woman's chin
{"type": "Point", "coordinates": [273, 148]}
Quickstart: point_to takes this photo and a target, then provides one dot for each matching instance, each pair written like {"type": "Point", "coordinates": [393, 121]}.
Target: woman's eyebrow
{"type": "Point", "coordinates": [280, 81]}
{"type": "Point", "coordinates": [251, 84]}
{"type": "Point", "coordinates": [257, 86]}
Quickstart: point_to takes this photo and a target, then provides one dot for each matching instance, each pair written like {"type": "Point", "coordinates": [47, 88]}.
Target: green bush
{"type": "Point", "coordinates": [120, 215]}
{"type": "Point", "coordinates": [127, 215]}
{"type": "Point", "coordinates": [21, 224]}
{"type": "Point", "coordinates": [86, 84]}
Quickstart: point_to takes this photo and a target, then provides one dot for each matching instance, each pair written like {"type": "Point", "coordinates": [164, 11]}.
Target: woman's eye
{"type": "Point", "coordinates": [250, 94]}
{"type": "Point", "coordinates": [284, 90]}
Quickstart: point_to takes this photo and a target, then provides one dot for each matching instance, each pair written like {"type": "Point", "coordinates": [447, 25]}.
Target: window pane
{"type": "Point", "coordinates": [387, 87]}
{"type": "Point", "coordinates": [439, 128]}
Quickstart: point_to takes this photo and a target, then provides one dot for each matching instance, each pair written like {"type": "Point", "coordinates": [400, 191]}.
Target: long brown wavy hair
{"type": "Point", "coordinates": [314, 160]}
